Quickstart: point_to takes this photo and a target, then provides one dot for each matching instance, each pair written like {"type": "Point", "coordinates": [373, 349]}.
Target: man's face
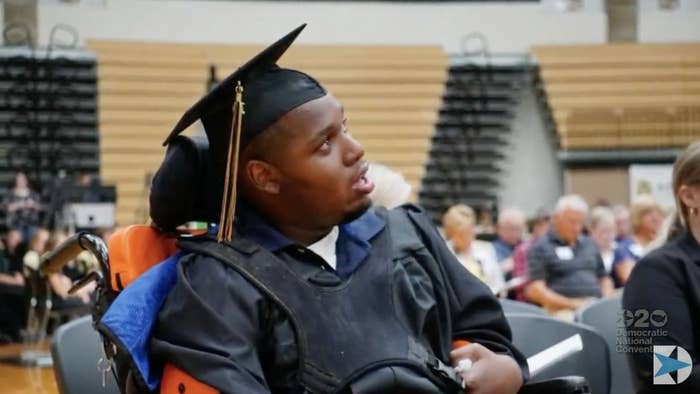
{"type": "Point", "coordinates": [604, 234]}
{"type": "Point", "coordinates": [511, 231]}
{"type": "Point", "coordinates": [321, 167]}
{"type": "Point", "coordinates": [569, 224]}
{"type": "Point", "coordinates": [622, 222]}
{"type": "Point", "coordinates": [540, 228]}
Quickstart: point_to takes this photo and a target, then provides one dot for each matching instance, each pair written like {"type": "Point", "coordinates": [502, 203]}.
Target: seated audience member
{"type": "Point", "coordinates": [668, 280]}
{"type": "Point", "coordinates": [15, 248]}
{"type": "Point", "coordinates": [538, 227]}
{"type": "Point", "coordinates": [60, 283]}
{"type": "Point", "coordinates": [646, 217]}
{"type": "Point", "coordinates": [670, 229]}
{"type": "Point", "coordinates": [476, 256]}
{"type": "Point", "coordinates": [509, 229]}
{"type": "Point", "coordinates": [22, 207]}
{"type": "Point", "coordinates": [622, 224]}
{"type": "Point", "coordinates": [391, 188]}
{"type": "Point", "coordinates": [565, 267]}
{"type": "Point", "coordinates": [12, 298]}
{"type": "Point", "coordinates": [602, 229]}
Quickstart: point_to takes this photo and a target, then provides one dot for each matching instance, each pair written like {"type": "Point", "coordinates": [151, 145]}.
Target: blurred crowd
{"type": "Point", "coordinates": [25, 239]}
{"type": "Point", "coordinates": [560, 258]}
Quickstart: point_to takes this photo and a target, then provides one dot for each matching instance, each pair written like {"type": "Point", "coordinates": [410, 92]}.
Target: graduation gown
{"type": "Point", "coordinates": [221, 329]}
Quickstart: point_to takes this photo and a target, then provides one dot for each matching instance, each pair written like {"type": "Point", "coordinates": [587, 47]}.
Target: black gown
{"type": "Point", "coordinates": [221, 329]}
{"type": "Point", "coordinates": [667, 280]}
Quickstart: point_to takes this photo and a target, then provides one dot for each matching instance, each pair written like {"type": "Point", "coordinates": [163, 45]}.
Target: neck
{"type": "Point", "coordinates": [302, 235]}
{"type": "Point", "coordinates": [643, 238]}
{"type": "Point", "coordinates": [289, 224]}
{"type": "Point", "coordinates": [461, 248]}
{"type": "Point", "coordinates": [694, 227]}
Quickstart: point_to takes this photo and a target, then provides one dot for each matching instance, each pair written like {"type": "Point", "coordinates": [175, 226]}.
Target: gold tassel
{"type": "Point", "coordinates": [228, 203]}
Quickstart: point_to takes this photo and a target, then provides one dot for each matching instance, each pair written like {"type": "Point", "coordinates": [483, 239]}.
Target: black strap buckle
{"type": "Point", "coordinates": [445, 371]}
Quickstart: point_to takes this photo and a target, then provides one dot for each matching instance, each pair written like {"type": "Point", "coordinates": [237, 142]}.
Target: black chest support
{"type": "Point", "coordinates": [346, 330]}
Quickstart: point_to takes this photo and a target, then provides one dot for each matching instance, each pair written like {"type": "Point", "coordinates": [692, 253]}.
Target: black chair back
{"type": "Point", "coordinates": [603, 315]}
{"type": "Point", "coordinates": [76, 350]}
{"type": "Point", "coordinates": [510, 306]}
{"type": "Point", "coordinates": [532, 334]}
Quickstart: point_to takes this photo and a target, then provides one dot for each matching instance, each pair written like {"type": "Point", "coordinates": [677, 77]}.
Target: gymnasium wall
{"type": "Point", "coordinates": [679, 25]}
{"type": "Point", "coordinates": [510, 27]}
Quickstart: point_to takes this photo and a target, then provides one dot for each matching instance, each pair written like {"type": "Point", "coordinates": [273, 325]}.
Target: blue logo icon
{"type": "Point", "coordinates": [665, 364]}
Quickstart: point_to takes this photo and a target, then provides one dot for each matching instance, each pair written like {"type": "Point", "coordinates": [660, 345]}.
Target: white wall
{"type": "Point", "coordinates": [509, 27]}
{"type": "Point", "coordinates": [680, 25]}
{"type": "Point", "coordinates": [531, 176]}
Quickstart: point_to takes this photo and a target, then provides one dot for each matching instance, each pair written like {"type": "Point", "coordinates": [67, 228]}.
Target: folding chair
{"type": "Point", "coordinates": [510, 306]}
{"type": "Point", "coordinates": [79, 362]}
{"type": "Point", "coordinates": [603, 316]}
{"type": "Point", "coordinates": [533, 334]}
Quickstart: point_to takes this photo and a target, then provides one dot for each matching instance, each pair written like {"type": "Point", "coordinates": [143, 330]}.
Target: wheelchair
{"type": "Point", "coordinates": [77, 368]}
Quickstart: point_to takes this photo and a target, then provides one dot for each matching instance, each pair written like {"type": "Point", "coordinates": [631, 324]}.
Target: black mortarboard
{"type": "Point", "coordinates": [269, 93]}
{"type": "Point", "coordinates": [265, 92]}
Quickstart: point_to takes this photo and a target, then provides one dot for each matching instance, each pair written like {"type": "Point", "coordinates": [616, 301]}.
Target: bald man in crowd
{"type": "Point", "coordinates": [509, 229]}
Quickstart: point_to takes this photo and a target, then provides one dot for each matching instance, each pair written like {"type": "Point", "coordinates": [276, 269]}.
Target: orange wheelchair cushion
{"type": "Point", "coordinates": [135, 249]}
{"type": "Point", "coordinates": [175, 381]}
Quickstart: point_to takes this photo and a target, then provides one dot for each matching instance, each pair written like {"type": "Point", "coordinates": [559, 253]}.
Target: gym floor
{"type": "Point", "coordinates": [15, 379]}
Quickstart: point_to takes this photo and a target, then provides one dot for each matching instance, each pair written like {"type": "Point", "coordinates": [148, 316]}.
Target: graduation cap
{"type": "Point", "coordinates": [241, 107]}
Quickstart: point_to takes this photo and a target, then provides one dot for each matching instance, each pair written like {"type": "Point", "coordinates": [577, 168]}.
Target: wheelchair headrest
{"type": "Point", "coordinates": [187, 186]}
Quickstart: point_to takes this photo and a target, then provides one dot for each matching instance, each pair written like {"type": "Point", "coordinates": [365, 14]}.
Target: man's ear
{"type": "Point", "coordinates": [263, 176]}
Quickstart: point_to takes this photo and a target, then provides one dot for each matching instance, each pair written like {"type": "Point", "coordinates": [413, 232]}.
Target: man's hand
{"type": "Point", "coordinates": [507, 265]}
{"type": "Point", "coordinates": [490, 373]}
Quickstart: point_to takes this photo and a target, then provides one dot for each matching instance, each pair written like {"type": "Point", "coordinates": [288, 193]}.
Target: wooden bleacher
{"type": "Point", "coordinates": [391, 95]}
{"type": "Point", "coordinates": [623, 96]}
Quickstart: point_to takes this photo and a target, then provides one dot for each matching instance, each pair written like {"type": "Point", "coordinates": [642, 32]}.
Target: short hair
{"type": "Point", "coordinates": [511, 214]}
{"type": "Point", "coordinates": [390, 187]}
{"type": "Point", "coordinates": [600, 215]}
{"type": "Point", "coordinates": [620, 209]}
{"type": "Point", "coordinates": [458, 216]}
{"type": "Point", "coordinates": [640, 207]}
{"type": "Point", "coordinates": [571, 202]}
{"type": "Point", "coordinates": [266, 145]}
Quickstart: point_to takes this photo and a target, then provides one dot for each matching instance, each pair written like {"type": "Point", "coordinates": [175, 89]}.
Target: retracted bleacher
{"type": "Point", "coordinates": [48, 114]}
{"type": "Point", "coordinates": [472, 131]}
{"type": "Point", "coordinates": [623, 97]}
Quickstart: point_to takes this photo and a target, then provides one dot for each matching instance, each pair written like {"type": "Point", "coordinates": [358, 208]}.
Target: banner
{"type": "Point", "coordinates": [654, 179]}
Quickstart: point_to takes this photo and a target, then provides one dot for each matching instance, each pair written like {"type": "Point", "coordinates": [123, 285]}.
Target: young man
{"type": "Point", "coordinates": [317, 291]}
